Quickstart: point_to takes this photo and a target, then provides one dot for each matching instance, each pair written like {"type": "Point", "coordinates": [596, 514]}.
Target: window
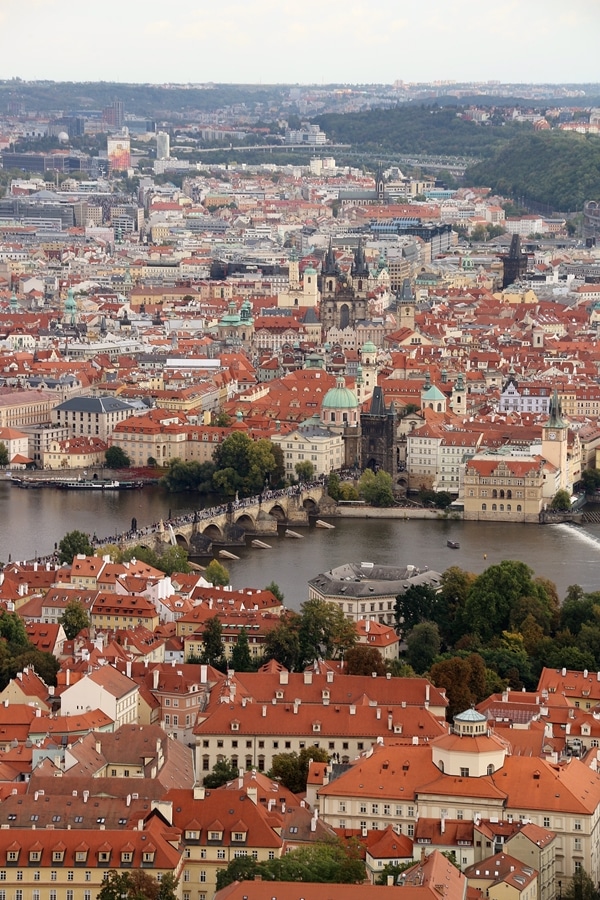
{"type": "Point", "coordinates": [70, 875]}
{"type": "Point", "coordinates": [410, 831]}
{"type": "Point", "coordinates": [464, 772]}
{"type": "Point", "coordinates": [577, 824]}
{"type": "Point", "coordinates": [220, 854]}
{"type": "Point", "coordinates": [577, 845]}
{"type": "Point", "coordinates": [546, 821]}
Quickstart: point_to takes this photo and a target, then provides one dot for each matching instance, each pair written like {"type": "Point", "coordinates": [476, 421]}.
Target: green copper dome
{"type": "Point", "coordinates": [340, 397]}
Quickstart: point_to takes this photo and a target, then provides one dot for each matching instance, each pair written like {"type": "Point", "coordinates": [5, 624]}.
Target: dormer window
{"type": "Point", "coordinates": [235, 725]}
{"type": "Point", "coordinates": [316, 726]}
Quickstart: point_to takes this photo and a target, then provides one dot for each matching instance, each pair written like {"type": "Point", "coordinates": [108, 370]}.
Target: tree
{"type": "Point", "coordinates": [213, 653]}
{"type": "Point", "coordinates": [422, 646]}
{"type": "Point", "coordinates": [244, 868]}
{"type": "Point", "coordinates": [222, 772]}
{"type": "Point", "coordinates": [305, 470]}
{"type": "Point", "coordinates": [116, 458]}
{"type": "Point", "coordinates": [72, 544]}
{"type": "Point", "coordinates": [243, 466]}
{"type": "Point", "coordinates": [291, 769]}
{"type": "Point", "coordinates": [241, 660]}
{"type": "Point", "coordinates": [74, 618]}
{"type": "Point", "coordinates": [417, 604]}
{"type": "Point", "coordinates": [561, 501]}
{"type": "Point", "coordinates": [276, 591]}
{"type": "Point", "coordinates": [461, 679]}
{"type": "Point", "coordinates": [189, 476]}
{"type": "Point", "coordinates": [363, 660]}
{"type": "Point", "coordinates": [581, 887]}
{"type": "Point", "coordinates": [376, 489]}
{"type": "Point", "coordinates": [283, 643]}
{"type": "Point", "coordinates": [3, 454]}
{"type": "Point", "coordinates": [495, 593]}
{"type": "Point", "coordinates": [173, 560]}
{"type": "Point", "coordinates": [12, 630]}
{"type": "Point", "coordinates": [324, 631]}
{"type": "Point", "coordinates": [451, 600]}
{"type": "Point", "coordinates": [333, 486]}
{"type": "Point", "coordinates": [216, 573]}
{"type": "Point", "coordinates": [137, 884]}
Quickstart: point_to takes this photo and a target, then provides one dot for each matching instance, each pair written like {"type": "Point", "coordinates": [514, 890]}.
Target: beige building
{"type": "Point", "coordinates": [504, 488]}
{"type": "Point", "coordinates": [312, 442]}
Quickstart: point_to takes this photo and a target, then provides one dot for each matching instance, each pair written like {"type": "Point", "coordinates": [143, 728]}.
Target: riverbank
{"type": "Point", "coordinates": [393, 512]}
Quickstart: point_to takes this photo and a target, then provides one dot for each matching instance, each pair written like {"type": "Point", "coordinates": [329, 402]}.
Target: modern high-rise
{"type": "Point", "coordinates": [163, 148]}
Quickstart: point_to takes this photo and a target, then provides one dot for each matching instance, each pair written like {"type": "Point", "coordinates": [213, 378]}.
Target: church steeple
{"type": "Point", "coordinates": [556, 420]}
{"type": "Point", "coordinates": [330, 266]}
{"type": "Point", "coordinates": [359, 266]}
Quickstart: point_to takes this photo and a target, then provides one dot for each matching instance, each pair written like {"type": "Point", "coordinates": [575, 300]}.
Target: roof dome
{"type": "Point", "coordinates": [340, 397]}
{"type": "Point", "coordinates": [470, 715]}
{"type": "Point", "coordinates": [369, 347]}
{"type": "Point", "coordinates": [309, 270]}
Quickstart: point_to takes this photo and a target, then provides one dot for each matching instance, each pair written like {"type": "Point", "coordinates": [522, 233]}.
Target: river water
{"type": "Point", "coordinates": [32, 521]}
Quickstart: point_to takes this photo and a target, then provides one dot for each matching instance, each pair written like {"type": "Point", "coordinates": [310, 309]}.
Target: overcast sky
{"type": "Point", "coordinates": [308, 41]}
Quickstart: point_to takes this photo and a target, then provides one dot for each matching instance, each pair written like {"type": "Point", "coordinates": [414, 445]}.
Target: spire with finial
{"type": "Point", "coordinates": [556, 420]}
{"type": "Point", "coordinates": [330, 266]}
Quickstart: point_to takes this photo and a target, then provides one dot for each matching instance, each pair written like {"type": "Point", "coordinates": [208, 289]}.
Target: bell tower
{"type": "Point", "coordinates": [555, 440]}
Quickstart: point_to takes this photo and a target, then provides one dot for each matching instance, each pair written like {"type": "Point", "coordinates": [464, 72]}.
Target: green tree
{"type": "Point", "coordinates": [392, 870]}
{"type": "Point", "coordinates": [74, 618]}
{"type": "Point", "coordinates": [363, 660]}
{"type": "Point", "coordinates": [72, 544]}
{"type": "Point", "coordinates": [418, 603]}
{"type": "Point", "coordinates": [244, 868]}
{"type": "Point", "coordinates": [3, 454]}
{"type": "Point", "coordinates": [45, 664]}
{"type": "Point", "coordinates": [216, 573]}
{"type": "Point", "coordinates": [348, 491]}
{"type": "Point", "coordinates": [243, 466]}
{"type": "Point", "coordinates": [188, 476]}
{"type": "Point", "coordinates": [291, 769]}
{"type": "Point", "coordinates": [283, 642]}
{"type": "Point", "coordinates": [142, 554]}
{"type": "Point", "coordinates": [333, 486]}
{"type": "Point", "coordinates": [561, 501]}
{"type": "Point", "coordinates": [12, 630]}
{"type": "Point", "coordinates": [222, 772]}
{"type": "Point", "coordinates": [213, 652]}
{"type": "Point", "coordinates": [422, 646]}
{"type": "Point", "coordinates": [376, 489]}
{"type": "Point", "coordinates": [329, 862]}
{"type": "Point", "coordinates": [276, 591]}
{"type": "Point", "coordinates": [450, 604]}
{"type": "Point", "coordinates": [581, 887]}
{"type": "Point", "coordinates": [495, 593]}
{"type": "Point", "coordinates": [137, 884]}
{"type": "Point", "coordinates": [174, 560]}
{"type": "Point", "coordinates": [324, 631]}
{"type": "Point", "coordinates": [241, 660]}
{"type": "Point", "coordinates": [463, 680]}
{"type": "Point", "coordinates": [590, 479]}
{"type": "Point", "coordinates": [305, 470]}
{"type": "Point", "coordinates": [116, 458]}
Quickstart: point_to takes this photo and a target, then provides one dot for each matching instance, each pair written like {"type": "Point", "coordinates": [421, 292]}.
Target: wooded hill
{"type": "Point", "coordinates": [557, 168]}
{"type": "Point", "coordinates": [412, 129]}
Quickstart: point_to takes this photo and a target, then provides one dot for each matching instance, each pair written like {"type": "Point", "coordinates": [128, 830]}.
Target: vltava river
{"type": "Point", "coordinates": [32, 521]}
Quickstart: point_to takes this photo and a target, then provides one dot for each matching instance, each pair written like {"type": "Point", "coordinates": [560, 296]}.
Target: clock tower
{"type": "Point", "coordinates": [555, 441]}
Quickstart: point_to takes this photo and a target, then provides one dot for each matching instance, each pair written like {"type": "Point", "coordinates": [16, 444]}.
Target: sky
{"type": "Point", "coordinates": [306, 42]}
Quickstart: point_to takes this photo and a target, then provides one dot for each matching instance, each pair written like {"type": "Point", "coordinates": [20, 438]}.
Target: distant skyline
{"type": "Point", "coordinates": [310, 42]}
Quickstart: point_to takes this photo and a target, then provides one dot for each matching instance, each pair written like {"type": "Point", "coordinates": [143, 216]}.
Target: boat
{"type": "Point", "coordinates": [260, 545]}
{"type": "Point", "coordinates": [292, 534]}
{"type": "Point", "coordinates": [321, 524]}
{"type": "Point", "coordinates": [78, 484]}
{"type": "Point", "coordinates": [225, 554]}
{"type": "Point", "coordinates": [454, 545]}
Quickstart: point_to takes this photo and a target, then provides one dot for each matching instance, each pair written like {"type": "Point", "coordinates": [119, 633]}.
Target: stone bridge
{"type": "Point", "coordinates": [229, 524]}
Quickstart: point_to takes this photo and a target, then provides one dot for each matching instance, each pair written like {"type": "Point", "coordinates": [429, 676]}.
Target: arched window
{"type": "Point", "coordinates": [490, 769]}
{"type": "Point", "coordinates": [502, 507]}
{"type": "Point", "coordinates": [518, 507]}
{"type": "Point", "coordinates": [502, 495]}
{"type": "Point", "coordinates": [439, 409]}
{"type": "Point", "coordinates": [484, 506]}
{"type": "Point", "coordinates": [508, 507]}
{"type": "Point", "coordinates": [494, 493]}
{"type": "Point", "coordinates": [509, 495]}
{"type": "Point", "coordinates": [441, 765]}
{"type": "Point", "coordinates": [494, 507]}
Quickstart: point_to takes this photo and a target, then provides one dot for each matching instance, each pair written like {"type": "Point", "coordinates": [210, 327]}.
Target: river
{"type": "Point", "coordinates": [32, 521]}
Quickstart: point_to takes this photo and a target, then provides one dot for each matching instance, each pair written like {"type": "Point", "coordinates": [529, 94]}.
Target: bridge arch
{"type": "Point", "coordinates": [246, 521]}
{"type": "Point", "coordinates": [213, 532]}
{"type": "Point", "coordinates": [278, 512]}
{"type": "Point", "coordinates": [182, 540]}
{"type": "Point", "coordinates": [311, 507]}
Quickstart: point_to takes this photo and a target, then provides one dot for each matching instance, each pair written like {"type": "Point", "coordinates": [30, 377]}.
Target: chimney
{"type": "Point", "coordinates": [427, 691]}
{"type": "Point", "coordinates": [203, 674]}
{"type": "Point", "coordinates": [352, 709]}
{"type": "Point", "coordinates": [284, 676]}
{"type": "Point", "coordinates": [308, 678]}
{"type": "Point", "coordinates": [296, 705]}
{"type": "Point", "coordinates": [155, 677]}
{"type": "Point", "coordinates": [128, 800]}
{"type": "Point", "coordinates": [264, 710]}
{"type": "Point", "coordinates": [86, 794]}
{"type": "Point", "coordinates": [330, 676]}
{"type": "Point", "coordinates": [199, 792]}
{"type": "Point", "coordinates": [128, 668]}
{"type": "Point", "coordinates": [98, 747]}
{"type": "Point", "coordinates": [390, 722]}
{"type": "Point", "coordinates": [252, 794]}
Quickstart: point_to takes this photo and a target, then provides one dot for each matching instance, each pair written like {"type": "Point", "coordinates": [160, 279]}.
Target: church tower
{"type": "Point", "coordinates": [555, 441]}
{"type": "Point", "coordinates": [406, 306]}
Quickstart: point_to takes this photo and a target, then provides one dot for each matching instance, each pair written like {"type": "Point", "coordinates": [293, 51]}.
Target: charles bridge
{"type": "Point", "coordinates": [230, 523]}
